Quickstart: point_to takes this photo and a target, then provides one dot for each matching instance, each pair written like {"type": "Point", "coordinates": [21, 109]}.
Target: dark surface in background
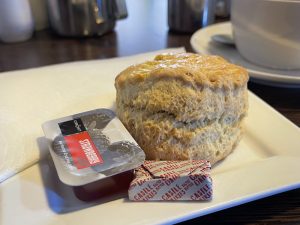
{"type": "Point", "coordinates": [146, 30]}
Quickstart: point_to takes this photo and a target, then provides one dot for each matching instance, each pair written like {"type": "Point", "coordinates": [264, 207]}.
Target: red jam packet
{"type": "Point", "coordinates": [172, 181]}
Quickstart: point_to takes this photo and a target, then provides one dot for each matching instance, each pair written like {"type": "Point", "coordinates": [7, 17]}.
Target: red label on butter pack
{"type": "Point", "coordinates": [83, 151]}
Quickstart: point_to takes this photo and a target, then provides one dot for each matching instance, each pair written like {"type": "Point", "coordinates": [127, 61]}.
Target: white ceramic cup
{"type": "Point", "coordinates": [267, 32]}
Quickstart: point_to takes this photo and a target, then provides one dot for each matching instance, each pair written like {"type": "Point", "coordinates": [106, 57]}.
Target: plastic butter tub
{"type": "Point", "coordinates": [93, 151]}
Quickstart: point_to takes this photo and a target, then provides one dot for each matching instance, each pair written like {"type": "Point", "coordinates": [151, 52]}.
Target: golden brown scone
{"type": "Point", "coordinates": [183, 106]}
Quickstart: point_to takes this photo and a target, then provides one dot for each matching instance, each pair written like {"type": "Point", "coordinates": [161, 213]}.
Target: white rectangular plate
{"type": "Point", "coordinates": [266, 162]}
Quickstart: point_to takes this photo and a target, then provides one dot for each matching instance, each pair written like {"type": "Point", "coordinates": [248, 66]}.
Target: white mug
{"type": "Point", "coordinates": [16, 22]}
{"type": "Point", "coordinates": [267, 32]}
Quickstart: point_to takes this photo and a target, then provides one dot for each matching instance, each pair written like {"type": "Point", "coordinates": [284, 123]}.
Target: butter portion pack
{"type": "Point", "coordinates": [172, 181]}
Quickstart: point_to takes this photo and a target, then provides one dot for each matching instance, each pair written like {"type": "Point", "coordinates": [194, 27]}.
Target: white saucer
{"type": "Point", "coordinates": [202, 43]}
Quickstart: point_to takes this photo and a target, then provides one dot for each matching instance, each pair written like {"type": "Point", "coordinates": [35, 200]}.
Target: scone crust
{"type": "Point", "coordinates": [184, 106]}
{"type": "Point", "coordinates": [193, 69]}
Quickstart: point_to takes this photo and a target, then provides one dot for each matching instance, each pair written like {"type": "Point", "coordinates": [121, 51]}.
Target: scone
{"type": "Point", "coordinates": [183, 106]}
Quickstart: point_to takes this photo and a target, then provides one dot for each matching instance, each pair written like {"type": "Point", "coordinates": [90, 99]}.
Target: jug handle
{"type": "Point", "coordinates": [119, 9]}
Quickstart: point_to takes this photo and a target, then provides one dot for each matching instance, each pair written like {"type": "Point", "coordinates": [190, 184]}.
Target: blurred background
{"type": "Point", "coordinates": [56, 31]}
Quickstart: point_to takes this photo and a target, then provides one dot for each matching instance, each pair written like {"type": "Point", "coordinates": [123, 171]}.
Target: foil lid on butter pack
{"type": "Point", "coordinates": [90, 146]}
{"type": "Point", "coordinates": [172, 181]}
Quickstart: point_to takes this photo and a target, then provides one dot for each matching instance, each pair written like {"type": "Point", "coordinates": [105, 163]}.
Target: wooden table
{"type": "Point", "coordinates": [146, 30]}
